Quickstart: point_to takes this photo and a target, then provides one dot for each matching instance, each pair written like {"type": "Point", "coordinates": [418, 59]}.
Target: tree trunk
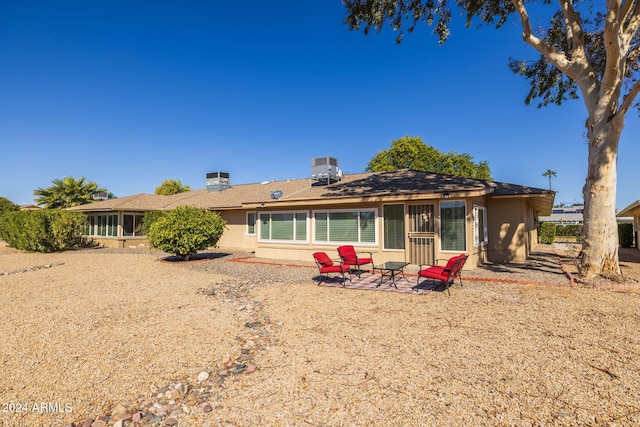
{"type": "Point", "coordinates": [599, 255]}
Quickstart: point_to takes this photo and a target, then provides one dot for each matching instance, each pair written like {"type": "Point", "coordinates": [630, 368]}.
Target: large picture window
{"type": "Point", "coordinates": [453, 226]}
{"type": "Point", "coordinates": [283, 226]}
{"type": "Point", "coordinates": [480, 226]}
{"type": "Point", "coordinates": [345, 226]}
{"type": "Point", "coordinates": [393, 224]}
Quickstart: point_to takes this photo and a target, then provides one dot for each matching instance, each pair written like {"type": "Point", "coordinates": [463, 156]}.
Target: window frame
{"type": "Point", "coordinates": [359, 242]}
{"type": "Point", "coordinates": [295, 230]}
{"type": "Point", "coordinates": [135, 224]}
{"type": "Point", "coordinates": [250, 223]}
{"type": "Point", "coordinates": [480, 211]}
{"type": "Point", "coordinates": [384, 227]}
{"type": "Point", "coordinates": [96, 224]}
{"type": "Point", "coordinates": [464, 223]}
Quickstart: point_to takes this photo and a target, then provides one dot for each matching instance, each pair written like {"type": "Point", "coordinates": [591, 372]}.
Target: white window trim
{"type": "Point", "coordinates": [485, 232]}
{"type": "Point", "coordinates": [292, 242]}
{"type": "Point", "coordinates": [134, 214]}
{"type": "Point", "coordinates": [384, 243]}
{"type": "Point", "coordinates": [323, 242]}
{"type": "Point", "coordinates": [255, 224]}
{"type": "Point", "coordinates": [465, 228]}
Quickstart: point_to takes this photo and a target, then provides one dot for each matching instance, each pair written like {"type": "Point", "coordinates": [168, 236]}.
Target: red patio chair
{"type": "Point", "coordinates": [350, 258]}
{"type": "Point", "coordinates": [326, 265]}
{"type": "Point", "coordinates": [446, 274]}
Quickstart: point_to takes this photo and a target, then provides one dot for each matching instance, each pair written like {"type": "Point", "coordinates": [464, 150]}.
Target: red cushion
{"type": "Point", "coordinates": [452, 261]}
{"type": "Point", "coordinates": [323, 259]}
{"type": "Point", "coordinates": [334, 269]}
{"type": "Point", "coordinates": [435, 272]}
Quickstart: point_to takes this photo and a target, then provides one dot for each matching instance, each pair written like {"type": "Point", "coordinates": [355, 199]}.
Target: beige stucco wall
{"type": "Point", "coordinates": [511, 235]}
{"type": "Point", "coordinates": [304, 251]}
{"type": "Point", "coordinates": [510, 230]}
{"type": "Point", "coordinates": [121, 243]}
{"type": "Point", "coordinates": [235, 235]}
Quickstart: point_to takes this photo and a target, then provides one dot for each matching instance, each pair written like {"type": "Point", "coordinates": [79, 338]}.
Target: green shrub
{"type": "Point", "coordinates": [625, 235]}
{"type": "Point", "coordinates": [546, 232]}
{"type": "Point", "coordinates": [47, 230]}
{"type": "Point", "coordinates": [569, 230]}
{"type": "Point", "coordinates": [185, 230]}
{"type": "Point", "coordinates": [149, 218]}
{"type": "Point", "coordinates": [7, 205]}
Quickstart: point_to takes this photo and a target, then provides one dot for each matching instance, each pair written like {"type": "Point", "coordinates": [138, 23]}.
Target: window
{"type": "Point", "coordinates": [105, 225]}
{"type": "Point", "coordinates": [283, 226]}
{"type": "Point", "coordinates": [480, 226]}
{"type": "Point", "coordinates": [90, 226]}
{"type": "Point", "coordinates": [345, 226]}
{"type": "Point", "coordinates": [132, 225]}
{"type": "Point", "coordinates": [251, 223]}
{"type": "Point", "coordinates": [393, 224]}
{"type": "Point", "coordinates": [452, 226]}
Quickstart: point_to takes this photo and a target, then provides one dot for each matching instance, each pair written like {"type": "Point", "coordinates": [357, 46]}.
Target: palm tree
{"type": "Point", "coordinates": [67, 192]}
{"type": "Point", "coordinates": [549, 173]}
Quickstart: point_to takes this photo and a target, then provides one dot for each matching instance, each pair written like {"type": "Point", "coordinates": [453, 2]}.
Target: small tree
{"type": "Point", "coordinates": [186, 230]}
{"type": "Point", "coordinates": [171, 186]}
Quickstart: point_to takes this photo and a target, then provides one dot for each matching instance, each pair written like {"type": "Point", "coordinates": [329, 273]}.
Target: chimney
{"type": "Point", "coordinates": [217, 181]}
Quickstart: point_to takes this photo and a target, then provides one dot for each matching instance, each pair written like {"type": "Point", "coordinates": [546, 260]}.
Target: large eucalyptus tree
{"type": "Point", "coordinates": [589, 50]}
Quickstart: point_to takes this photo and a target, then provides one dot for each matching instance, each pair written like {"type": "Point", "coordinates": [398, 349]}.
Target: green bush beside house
{"type": "Point", "coordinates": [183, 231]}
{"type": "Point", "coordinates": [47, 230]}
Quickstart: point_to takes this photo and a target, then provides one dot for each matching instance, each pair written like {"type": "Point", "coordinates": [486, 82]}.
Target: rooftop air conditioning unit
{"type": "Point", "coordinates": [325, 170]}
{"type": "Point", "coordinates": [217, 181]}
{"type": "Point", "coordinates": [101, 195]}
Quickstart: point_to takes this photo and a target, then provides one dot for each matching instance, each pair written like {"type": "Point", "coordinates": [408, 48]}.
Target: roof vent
{"type": "Point", "coordinates": [324, 170]}
{"type": "Point", "coordinates": [217, 181]}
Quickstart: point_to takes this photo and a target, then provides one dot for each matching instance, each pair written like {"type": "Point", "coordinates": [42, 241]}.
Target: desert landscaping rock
{"type": "Point", "coordinates": [122, 337]}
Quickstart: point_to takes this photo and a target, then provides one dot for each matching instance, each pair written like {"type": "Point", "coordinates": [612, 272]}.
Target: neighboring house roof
{"type": "Point", "coordinates": [400, 184]}
{"type": "Point", "coordinates": [632, 210]}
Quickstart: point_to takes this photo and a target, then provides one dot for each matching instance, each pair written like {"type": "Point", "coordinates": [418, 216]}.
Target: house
{"type": "Point", "coordinates": [631, 214]}
{"type": "Point", "coordinates": [565, 215]}
{"type": "Point", "coordinates": [403, 215]}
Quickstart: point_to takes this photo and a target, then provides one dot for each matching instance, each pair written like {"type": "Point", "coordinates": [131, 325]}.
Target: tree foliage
{"type": "Point", "coordinates": [7, 205]}
{"type": "Point", "coordinates": [45, 230]}
{"type": "Point", "coordinates": [589, 50]}
{"type": "Point", "coordinates": [67, 192]}
{"type": "Point", "coordinates": [185, 230]}
{"type": "Point", "coordinates": [411, 152]}
{"type": "Point", "coordinates": [171, 186]}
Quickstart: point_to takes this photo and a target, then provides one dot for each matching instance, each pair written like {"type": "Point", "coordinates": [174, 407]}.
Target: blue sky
{"type": "Point", "coordinates": [128, 94]}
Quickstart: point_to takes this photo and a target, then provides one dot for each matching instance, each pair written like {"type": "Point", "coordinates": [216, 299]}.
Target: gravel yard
{"type": "Point", "coordinates": [123, 337]}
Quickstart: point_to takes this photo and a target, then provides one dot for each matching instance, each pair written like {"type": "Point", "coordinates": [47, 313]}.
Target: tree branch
{"type": "Point", "coordinates": [548, 51]}
{"type": "Point", "coordinates": [627, 102]}
{"type": "Point", "coordinates": [612, 44]}
{"type": "Point", "coordinates": [575, 34]}
{"type": "Point", "coordinates": [630, 19]}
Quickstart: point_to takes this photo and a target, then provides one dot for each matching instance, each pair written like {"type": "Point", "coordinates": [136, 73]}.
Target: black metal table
{"type": "Point", "coordinates": [391, 268]}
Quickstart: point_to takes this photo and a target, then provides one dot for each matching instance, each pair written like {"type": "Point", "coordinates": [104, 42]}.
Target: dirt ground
{"type": "Point", "coordinates": [108, 337]}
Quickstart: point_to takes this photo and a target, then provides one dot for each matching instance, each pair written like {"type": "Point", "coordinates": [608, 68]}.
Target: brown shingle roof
{"type": "Point", "coordinates": [361, 186]}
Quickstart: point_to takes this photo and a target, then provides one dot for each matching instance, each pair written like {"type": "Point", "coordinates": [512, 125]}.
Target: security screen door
{"type": "Point", "coordinates": [421, 234]}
